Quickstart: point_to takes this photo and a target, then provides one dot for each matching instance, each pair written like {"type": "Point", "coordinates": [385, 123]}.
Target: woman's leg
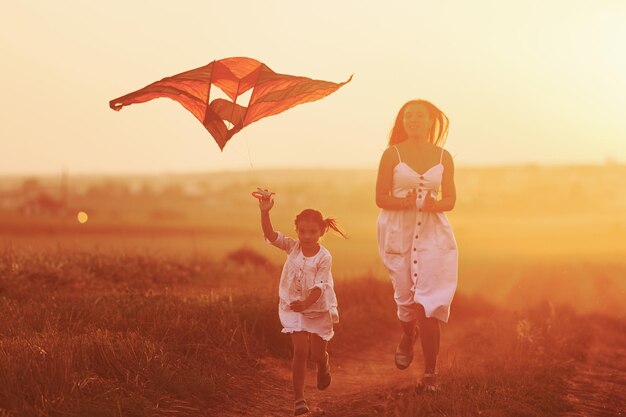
{"type": "Point", "coordinates": [430, 336]}
{"type": "Point", "coordinates": [407, 314]}
{"type": "Point", "coordinates": [408, 335]}
{"type": "Point", "coordinates": [300, 342]}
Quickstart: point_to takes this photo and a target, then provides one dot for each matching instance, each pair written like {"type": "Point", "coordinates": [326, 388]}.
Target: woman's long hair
{"type": "Point", "coordinates": [438, 131]}
{"type": "Point", "coordinates": [316, 217]}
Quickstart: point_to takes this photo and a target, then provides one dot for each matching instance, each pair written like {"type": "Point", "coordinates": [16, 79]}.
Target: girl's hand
{"type": "Point", "coordinates": [429, 203]}
{"type": "Point", "coordinates": [266, 204]}
{"type": "Point", "coordinates": [298, 306]}
{"type": "Point", "coordinates": [409, 199]}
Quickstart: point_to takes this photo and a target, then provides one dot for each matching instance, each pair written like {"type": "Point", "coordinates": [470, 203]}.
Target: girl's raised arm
{"type": "Point", "coordinates": [266, 222]}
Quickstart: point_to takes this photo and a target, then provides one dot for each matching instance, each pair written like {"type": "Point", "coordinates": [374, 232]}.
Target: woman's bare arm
{"type": "Point", "coordinates": [384, 182]}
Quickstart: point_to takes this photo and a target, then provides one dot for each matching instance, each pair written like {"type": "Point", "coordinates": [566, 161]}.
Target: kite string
{"type": "Point", "coordinates": [249, 156]}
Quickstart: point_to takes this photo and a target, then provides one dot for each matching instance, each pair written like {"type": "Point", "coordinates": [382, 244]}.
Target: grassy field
{"type": "Point", "coordinates": [109, 335]}
{"type": "Point", "coordinates": [164, 302]}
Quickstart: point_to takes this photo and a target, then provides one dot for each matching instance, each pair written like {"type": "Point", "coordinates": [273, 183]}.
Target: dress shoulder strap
{"type": "Point", "coordinates": [398, 152]}
{"type": "Point", "coordinates": [441, 157]}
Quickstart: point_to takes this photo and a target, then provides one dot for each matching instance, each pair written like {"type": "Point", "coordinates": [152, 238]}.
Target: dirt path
{"type": "Point", "coordinates": [598, 388]}
{"type": "Point", "coordinates": [362, 384]}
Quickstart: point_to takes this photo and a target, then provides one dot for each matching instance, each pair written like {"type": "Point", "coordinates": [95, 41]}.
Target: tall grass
{"type": "Point", "coordinates": [109, 334]}
{"type": "Point", "coordinates": [509, 364]}
{"type": "Point", "coordinates": [98, 334]}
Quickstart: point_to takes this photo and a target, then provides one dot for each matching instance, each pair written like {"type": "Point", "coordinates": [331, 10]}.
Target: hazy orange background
{"type": "Point", "coordinates": [522, 82]}
{"type": "Point", "coordinates": [164, 302]}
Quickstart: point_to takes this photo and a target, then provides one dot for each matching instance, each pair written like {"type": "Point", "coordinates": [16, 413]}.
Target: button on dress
{"type": "Point", "coordinates": [418, 248]}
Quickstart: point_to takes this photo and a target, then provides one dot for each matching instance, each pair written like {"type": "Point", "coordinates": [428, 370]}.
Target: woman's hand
{"type": "Point", "coordinates": [266, 204]}
{"type": "Point", "coordinates": [429, 203]}
{"type": "Point", "coordinates": [409, 199]}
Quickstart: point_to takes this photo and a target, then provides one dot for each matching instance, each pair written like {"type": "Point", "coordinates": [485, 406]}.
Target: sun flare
{"type": "Point", "coordinates": [82, 217]}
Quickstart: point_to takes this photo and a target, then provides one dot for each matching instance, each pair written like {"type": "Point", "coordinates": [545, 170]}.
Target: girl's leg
{"type": "Point", "coordinates": [318, 350]}
{"type": "Point", "coordinates": [300, 342]}
{"type": "Point", "coordinates": [430, 336]}
{"type": "Point", "coordinates": [320, 356]}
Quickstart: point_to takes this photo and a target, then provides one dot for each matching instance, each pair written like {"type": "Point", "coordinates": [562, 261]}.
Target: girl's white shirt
{"type": "Point", "coordinates": [301, 274]}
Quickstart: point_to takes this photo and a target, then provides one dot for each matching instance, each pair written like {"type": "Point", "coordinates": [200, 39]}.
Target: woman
{"type": "Point", "coordinates": [415, 240]}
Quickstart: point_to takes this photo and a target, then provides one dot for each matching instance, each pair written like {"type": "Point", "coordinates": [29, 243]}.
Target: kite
{"type": "Point", "coordinates": [272, 93]}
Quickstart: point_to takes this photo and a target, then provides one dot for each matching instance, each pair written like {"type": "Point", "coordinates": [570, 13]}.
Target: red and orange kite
{"type": "Point", "coordinates": [272, 93]}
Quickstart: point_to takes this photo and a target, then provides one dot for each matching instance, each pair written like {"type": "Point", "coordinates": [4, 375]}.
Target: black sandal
{"type": "Point", "coordinates": [403, 358]}
{"type": "Point", "coordinates": [300, 407]}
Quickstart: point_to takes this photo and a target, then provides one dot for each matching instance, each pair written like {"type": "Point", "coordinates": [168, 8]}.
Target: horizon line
{"type": "Point", "coordinates": [121, 173]}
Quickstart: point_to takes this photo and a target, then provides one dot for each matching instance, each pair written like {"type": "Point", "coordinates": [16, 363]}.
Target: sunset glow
{"type": "Point", "coordinates": [521, 83]}
{"type": "Point", "coordinates": [338, 208]}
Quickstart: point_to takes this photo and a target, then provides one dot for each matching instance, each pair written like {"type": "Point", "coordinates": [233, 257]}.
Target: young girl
{"type": "Point", "coordinates": [308, 305]}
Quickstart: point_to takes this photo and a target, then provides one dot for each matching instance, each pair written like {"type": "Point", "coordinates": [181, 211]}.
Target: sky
{"type": "Point", "coordinates": [522, 82]}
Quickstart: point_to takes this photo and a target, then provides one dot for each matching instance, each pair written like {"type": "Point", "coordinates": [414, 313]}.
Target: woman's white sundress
{"type": "Point", "coordinates": [418, 248]}
{"type": "Point", "coordinates": [299, 276]}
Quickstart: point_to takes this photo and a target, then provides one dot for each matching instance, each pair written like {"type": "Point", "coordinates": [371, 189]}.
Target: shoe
{"type": "Point", "coordinates": [323, 374]}
{"type": "Point", "coordinates": [427, 384]}
{"type": "Point", "coordinates": [300, 407]}
{"type": "Point", "coordinates": [404, 357]}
